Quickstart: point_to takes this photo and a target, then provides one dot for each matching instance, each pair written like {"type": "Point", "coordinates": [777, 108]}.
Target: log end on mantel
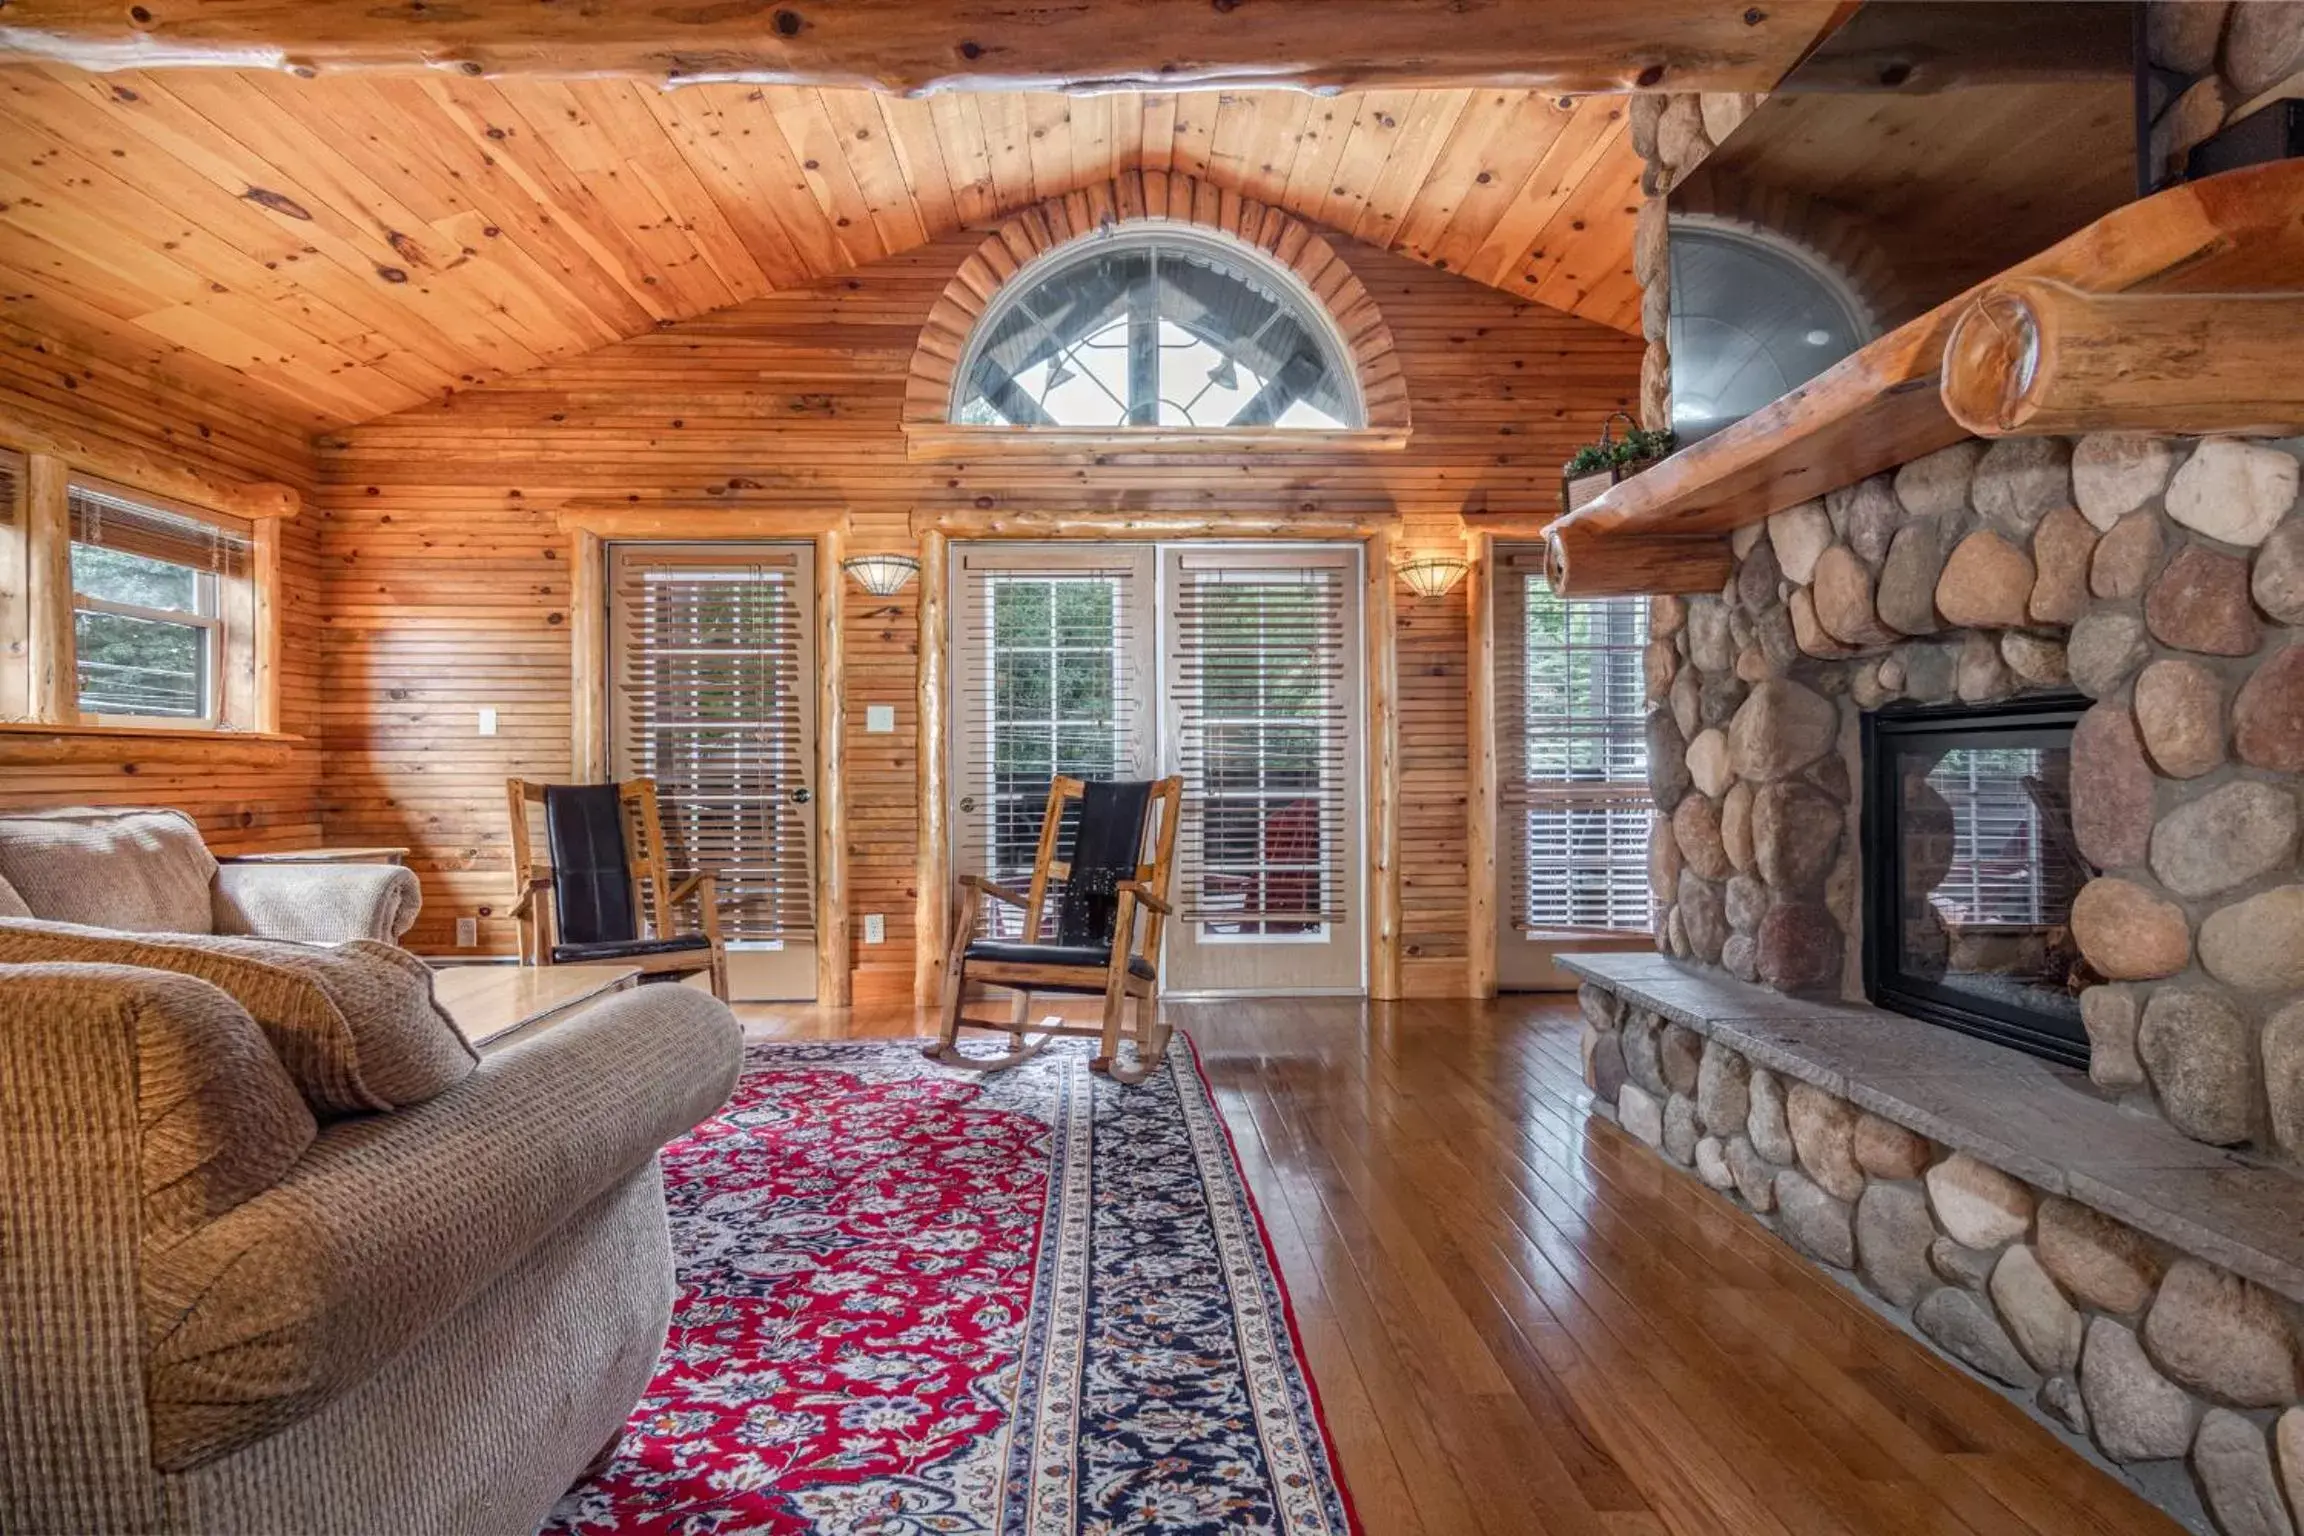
{"type": "Point", "coordinates": [1584, 562]}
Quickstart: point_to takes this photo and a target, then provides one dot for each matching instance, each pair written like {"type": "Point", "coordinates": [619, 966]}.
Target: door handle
{"type": "Point", "coordinates": [800, 795]}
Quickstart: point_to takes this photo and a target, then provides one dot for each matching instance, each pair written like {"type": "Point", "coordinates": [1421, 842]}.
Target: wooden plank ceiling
{"type": "Point", "coordinates": [354, 245]}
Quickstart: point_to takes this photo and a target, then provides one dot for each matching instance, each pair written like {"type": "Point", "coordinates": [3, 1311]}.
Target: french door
{"type": "Point", "coordinates": [1238, 669]}
{"type": "Point", "coordinates": [713, 696]}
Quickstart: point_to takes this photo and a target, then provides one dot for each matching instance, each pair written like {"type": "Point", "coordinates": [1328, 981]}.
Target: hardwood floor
{"type": "Point", "coordinates": [1522, 1320]}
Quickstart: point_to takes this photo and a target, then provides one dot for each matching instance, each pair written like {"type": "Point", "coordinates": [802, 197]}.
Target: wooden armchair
{"type": "Point", "coordinates": [583, 901]}
{"type": "Point", "coordinates": [1107, 886]}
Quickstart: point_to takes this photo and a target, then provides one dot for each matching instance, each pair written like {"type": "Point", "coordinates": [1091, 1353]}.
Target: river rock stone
{"type": "Point", "coordinates": [1756, 573]}
{"type": "Point", "coordinates": [2035, 659]}
{"type": "Point", "coordinates": [1781, 729]}
{"type": "Point", "coordinates": [2277, 579]}
{"type": "Point", "coordinates": [1930, 671]}
{"type": "Point", "coordinates": [2045, 1326]}
{"type": "Point", "coordinates": [1843, 598]}
{"type": "Point", "coordinates": [2222, 1337]}
{"type": "Point", "coordinates": [2112, 786]}
{"type": "Point", "coordinates": [2233, 491]}
{"type": "Point", "coordinates": [1769, 1124]}
{"type": "Point", "coordinates": [1703, 916]}
{"type": "Point", "coordinates": [1666, 616]}
{"type": "Point", "coordinates": [1723, 1090]}
{"type": "Point", "coordinates": [2263, 45]}
{"type": "Point", "coordinates": [1824, 1132]}
{"type": "Point", "coordinates": [1987, 582]}
{"type": "Point", "coordinates": [1712, 1163]}
{"type": "Point", "coordinates": [1601, 1008]}
{"type": "Point", "coordinates": [2109, 1015]}
{"type": "Point", "coordinates": [2257, 945]}
{"type": "Point", "coordinates": [1795, 834]}
{"type": "Point", "coordinates": [2126, 557]}
{"type": "Point", "coordinates": [2104, 647]}
{"type": "Point", "coordinates": [2201, 603]}
{"type": "Point", "coordinates": [2227, 837]}
{"type": "Point", "coordinates": [1892, 1237]}
{"type": "Point", "coordinates": [2268, 716]}
{"type": "Point", "coordinates": [2060, 1400]}
{"type": "Point", "coordinates": [1641, 1113]}
{"type": "Point", "coordinates": [1604, 1065]}
{"type": "Point", "coordinates": [2019, 481]}
{"type": "Point", "coordinates": [1976, 1204]}
{"type": "Point", "coordinates": [1717, 700]}
{"type": "Point", "coordinates": [2234, 1466]}
{"type": "Point", "coordinates": [1710, 645]}
{"type": "Point", "coordinates": [2114, 473]}
{"type": "Point", "coordinates": [1966, 1330]}
{"type": "Point", "coordinates": [1906, 598]}
{"type": "Point", "coordinates": [1696, 828]}
{"type": "Point", "coordinates": [1664, 859]}
{"type": "Point", "coordinates": [1886, 1150]}
{"type": "Point", "coordinates": [2284, 1076]}
{"type": "Point", "coordinates": [1740, 957]}
{"type": "Point", "coordinates": [1680, 1133]}
{"type": "Point", "coordinates": [1668, 777]}
{"type": "Point", "coordinates": [1747, 903]}
{"type": "Point", "coordinates": [1642, 1034]}
{"type": "Point", "coordinates": [2288, 1445]}
{"type": "Point", "coordinates": [1708, 763]}
{"type": "Point", "coordinates": [1799, 946]}
{"type": "Point", "coordinates": [1680, 1052]}
{"type": "Point", "coordinates": [1811, 636]}
{"type": "Point", "coordinates": [1736, 825]}
{"type": "Point", "coordinates": [1869, 516]}
{"type": "Point", "coordinates": [2135, 1413]}
{"type": "Point", "coordinates": [2100, 1262]}
{"type": "Point", "coordinates": [1798, 535]}
{"type": "Point", "coordinates": [1960, 1264]}
{"type": "Point", "coordinates": [1815, 1222]}
{"type": "Point", "coordinates": [2183, 41]}
{"type": "Point", "coordinates": [1983, 676]}
{"type": "Point", "coordinates": [2128, 933]}
{"type": "Point", "coordinates": [2201, 1060]}
{"type": "Point", "coordinates": [2180, 715]}
{"type": "Point", "coordinates": [2061, 547]}
{"type": "Point", "coordinates": [1936, 484]}
{"type": "Point", "coordinates": [1755, 1175]}
{"type": "Point", "coordinates": [1687, 702]}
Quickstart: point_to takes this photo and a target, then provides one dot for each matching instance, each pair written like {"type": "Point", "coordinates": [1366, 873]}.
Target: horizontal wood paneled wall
{"type": "Point", "coordinates": [447, 583]}
{"type": "Point", "coordinates": [239, 808]}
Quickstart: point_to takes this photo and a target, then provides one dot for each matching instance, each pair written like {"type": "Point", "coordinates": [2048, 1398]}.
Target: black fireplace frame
{"type": "Point", "coordinates": [2052, 716]}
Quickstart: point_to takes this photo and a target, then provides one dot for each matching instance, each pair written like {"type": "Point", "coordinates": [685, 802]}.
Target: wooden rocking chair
{"type": "Point", "coordinates": [1107, 886]}
{"type": "Point", "coordinates": [582, 903]}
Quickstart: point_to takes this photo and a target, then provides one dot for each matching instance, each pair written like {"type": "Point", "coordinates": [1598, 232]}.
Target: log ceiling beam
{"type": "Point", "coordinates": [903, 46]}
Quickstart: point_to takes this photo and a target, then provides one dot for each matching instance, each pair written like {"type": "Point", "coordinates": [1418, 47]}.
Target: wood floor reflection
{"type": "Point", "coordinates": [1521, 1320]}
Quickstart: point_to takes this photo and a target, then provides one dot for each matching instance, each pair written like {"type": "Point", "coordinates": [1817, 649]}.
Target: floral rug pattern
{"type": "Point", "coordinates": [915, 1300]}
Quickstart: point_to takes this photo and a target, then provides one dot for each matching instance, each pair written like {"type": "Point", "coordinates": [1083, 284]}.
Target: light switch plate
{"type": "Point", "coordinates": [467, 932]}
{"type": "Point", "coordinates": [875, 928]}
{"type": "Point", "coordinates": [879, 719]}
{"type": "Point", "coordinates": [488, 721]}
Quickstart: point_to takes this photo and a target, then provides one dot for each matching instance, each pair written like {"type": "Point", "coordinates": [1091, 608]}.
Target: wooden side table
{"type": "Point", "coordinates": [495, 1004]}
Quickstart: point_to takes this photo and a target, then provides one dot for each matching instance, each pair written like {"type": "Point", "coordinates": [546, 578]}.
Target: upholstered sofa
{"type": "Point", "coordinates": [148, 871]}
{"type": "Point", "coordinates": [279, 1252]}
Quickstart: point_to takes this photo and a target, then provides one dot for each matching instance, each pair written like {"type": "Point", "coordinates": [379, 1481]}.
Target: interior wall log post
{"type": "Point", "coordinates": [268, 599]}
{"type": "Point", "coordinates": [1381, 620]}
{"type": "Point", "coordinates": [930, 911]}
{"type": "Point", "coordinates": [1480, 791]}
{"type": "Point", "coordinates": [835, 969]}
{"type": "Point", "coordinates": [52, 692]}
{"type": "Point", "coordinates": [589, 662]}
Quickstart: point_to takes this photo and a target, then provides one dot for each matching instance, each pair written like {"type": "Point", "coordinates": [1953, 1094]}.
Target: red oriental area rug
{"type": "Point", "coordinates": [918, 1301]}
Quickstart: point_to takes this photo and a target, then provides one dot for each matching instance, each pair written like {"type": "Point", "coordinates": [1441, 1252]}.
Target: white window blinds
{"type": "Point", "coordinates": [1262, 727]}
{"type": "Point", "coordinates": [1050, 681]}
{"type": "Point", "coordinates": [2007, 870]}
{"type": "Point", "coordinates": [215, 543]}
{"type": "Point", "coordinates": [713, 679]}
{"type": "Point", "coordinates": [1573, 778]}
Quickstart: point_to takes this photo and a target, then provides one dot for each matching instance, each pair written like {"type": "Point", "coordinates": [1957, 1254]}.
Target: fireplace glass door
{"type": "Point", "coordinates": [1971, 871]}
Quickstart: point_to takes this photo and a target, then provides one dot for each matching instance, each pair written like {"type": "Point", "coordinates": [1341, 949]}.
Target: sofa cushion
{"type": "Point", "coordinates": [354, 1024]}
{"type": "Point", "coordinates": [138, 871]}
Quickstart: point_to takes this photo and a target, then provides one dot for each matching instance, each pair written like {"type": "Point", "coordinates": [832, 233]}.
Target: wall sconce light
{"type": "Point", "coordinates": [881, 575]}
{"type": "Point", "coordinates": [1432, 575]}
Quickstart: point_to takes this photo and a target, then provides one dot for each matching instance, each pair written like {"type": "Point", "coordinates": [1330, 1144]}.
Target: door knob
{"type": "Point", "coordinates": [800, 795]}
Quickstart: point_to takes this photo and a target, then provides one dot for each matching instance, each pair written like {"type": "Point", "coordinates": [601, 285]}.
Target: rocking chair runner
{"type": "Point", "coordinates": [583, 902]}
{"type": "Point", "coordinates": [1106, 887]}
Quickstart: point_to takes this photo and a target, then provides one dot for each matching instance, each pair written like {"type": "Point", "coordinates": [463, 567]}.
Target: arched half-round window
{"type": "Point", "coordinates": [1752, 318]}
{"type": "Point", "coordinates": [1156, 327]}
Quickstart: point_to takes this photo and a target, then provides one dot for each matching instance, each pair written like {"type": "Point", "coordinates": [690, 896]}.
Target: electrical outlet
{"type": "Point", "coordinates": [488, 721]}
{"type": "Point", "coordinates": [467, 932]}
{"type": "Point", "coordinates": [875, 928]}
{"type": "Point", "coordinates": [879, 719]}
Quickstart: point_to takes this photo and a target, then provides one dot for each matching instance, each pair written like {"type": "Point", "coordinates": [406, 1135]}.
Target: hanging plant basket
{"type": "Point", "coordinates": [1597, 466]}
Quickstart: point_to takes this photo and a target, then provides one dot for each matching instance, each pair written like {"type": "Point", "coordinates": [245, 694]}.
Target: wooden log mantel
{"type": "Point", "coordinates": [1884, 406]}
{"type": "Point", "coordinates": [2033, 356]}
{"type": "Point", "coordinates": [901, 45]}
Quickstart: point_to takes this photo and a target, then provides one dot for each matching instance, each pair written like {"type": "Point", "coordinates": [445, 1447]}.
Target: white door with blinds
{"type": "Point", "coordinates": [1238, 669]}
{"type": "Point", "coordinates": [713, 692]}
{"type": "Point", "coordinates": [1573, 806]}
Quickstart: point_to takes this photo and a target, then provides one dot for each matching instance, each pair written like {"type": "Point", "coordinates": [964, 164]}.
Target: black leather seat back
{"type": "Point", "coordinates": [591, 877]}
{"type": "Point", "coordinates": [1107, 845]}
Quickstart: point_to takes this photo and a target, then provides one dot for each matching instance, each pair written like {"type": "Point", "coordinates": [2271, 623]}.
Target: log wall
{"type": "Point", "coordinates": [446, 583]}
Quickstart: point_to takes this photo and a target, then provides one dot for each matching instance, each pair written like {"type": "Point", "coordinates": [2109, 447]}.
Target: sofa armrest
{"type": "Point", "coordinates": [392, 1222]}
{"type": "Point", "coordinates": [317, 903]}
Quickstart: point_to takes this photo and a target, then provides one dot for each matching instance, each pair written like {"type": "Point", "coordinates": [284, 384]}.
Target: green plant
{"type": "Point", "coordinates": [1636, 446]}
{"type": "Point", "coordinates": [1589, 459]}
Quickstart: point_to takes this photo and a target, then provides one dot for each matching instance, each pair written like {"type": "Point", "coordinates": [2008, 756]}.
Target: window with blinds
{"type": "Point", "coordinates": [713, 680]}
{"type": "Point", "coordinates": [1262, 737]}
{"type": "Point", "coordinates": [2007, 869]}
{"type": "Point", "coordinates": [1573, 780]}
{"type": "Point", "coordinates": [147, 623]}
{"type": "Point", "coordinates": [1050, 683]}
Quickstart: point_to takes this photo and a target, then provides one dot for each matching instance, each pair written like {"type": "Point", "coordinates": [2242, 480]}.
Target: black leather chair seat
{"type": "Point", "coordinates": [629, 949]}
{"type": "Point", "coordinates": [1000, 953]}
